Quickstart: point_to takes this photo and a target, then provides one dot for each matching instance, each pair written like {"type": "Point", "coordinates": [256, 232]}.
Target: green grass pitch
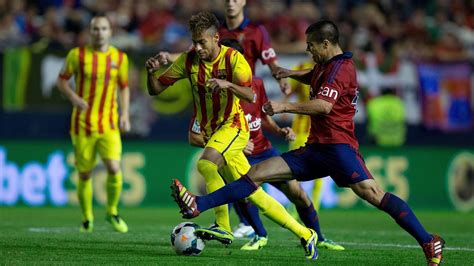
{"type": "Point", "coordinates": [51, 236]}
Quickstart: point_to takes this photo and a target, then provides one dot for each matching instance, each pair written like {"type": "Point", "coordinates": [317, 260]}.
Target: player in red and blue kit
{"type": "Point", "coordinates": [332, 149]}
{"type": "Point", "coordinates": [260, 149]}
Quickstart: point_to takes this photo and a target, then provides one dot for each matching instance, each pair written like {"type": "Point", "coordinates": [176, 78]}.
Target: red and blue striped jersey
{"type": "Point", "coordinates": [336, 82]}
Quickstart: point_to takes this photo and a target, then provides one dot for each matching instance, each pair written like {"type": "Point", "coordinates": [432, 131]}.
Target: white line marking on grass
{"type": "Point", "coordinates": [401, 246]}
{"type": "Point", "coordinates": [59, 229]}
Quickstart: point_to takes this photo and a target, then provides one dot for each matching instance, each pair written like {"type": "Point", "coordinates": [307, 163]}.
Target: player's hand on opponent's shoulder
{"type": "Point", "coordinates": [288, 133]}
{"type": "Point", "coordinates": [271, 107]}
{"type": "Point", "coordinates": [79, 103]}
{"type": "Point", "coordinates": [152, 64]}
{"type": "Point", "coordinates": [249, 148]}
{"type": "Point", "coordinates": [124, 123]}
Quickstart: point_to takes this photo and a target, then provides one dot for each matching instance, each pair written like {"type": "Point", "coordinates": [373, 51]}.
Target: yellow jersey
{"type": "Point", "coordinates": [213, 109]}
{"type": "Point", "coordinates": [301, 123]}
{"type": "Point", "coordinates": [96, 75]}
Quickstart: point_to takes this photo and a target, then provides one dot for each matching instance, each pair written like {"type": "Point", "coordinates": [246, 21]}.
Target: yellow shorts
{"type": "Point", "coordinates": [230, 142]}
{"type": "Point", "coordinates": [108, 145]}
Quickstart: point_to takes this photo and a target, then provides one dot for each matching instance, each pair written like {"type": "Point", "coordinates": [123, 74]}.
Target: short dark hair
{"type": "Point", "coordinates": [102, 15]}
{"type": "Point", "coordinates": [324, 30]}
{"type": "Point", "coordinates": [232, 43]}
{"type": "Point", "coordinates": [203, 21]}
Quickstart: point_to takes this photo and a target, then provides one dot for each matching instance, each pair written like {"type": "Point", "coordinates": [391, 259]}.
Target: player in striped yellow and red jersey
{"type": "Point", "coordinates": [220, 77]}
{"type": "Point", "coordinates": [95, 128]}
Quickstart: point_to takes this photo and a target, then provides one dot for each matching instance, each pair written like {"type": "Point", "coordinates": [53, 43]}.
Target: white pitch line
{"type": "Point", "coordinates": [59, 229]}
{"type": "Point", "coordinates": [73, 229]}
{"type": "Point", "coordinates": [400, 246]}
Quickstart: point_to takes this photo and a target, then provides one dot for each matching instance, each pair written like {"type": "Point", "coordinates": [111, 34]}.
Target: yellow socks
{"type": "Point", "coordinates": [114, 189]}
{"type": "Point", "coordinates": [276, 212]}
{"type": "Point", "coordinates": [209, 171]}
{"type": "Point", "coordinates": [316, 197]}
{"type": "Point", "coordinates": [84, 194]}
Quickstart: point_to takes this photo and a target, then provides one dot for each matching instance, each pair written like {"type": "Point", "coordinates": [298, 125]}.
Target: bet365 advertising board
{"type": "Point", "coordinates": [38, 173]}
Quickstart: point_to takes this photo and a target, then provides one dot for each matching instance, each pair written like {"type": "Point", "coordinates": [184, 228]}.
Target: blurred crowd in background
{"type": "Point", "coordinates": [422, 50]}
{"type": "Point", "coordinates": [438, 29]}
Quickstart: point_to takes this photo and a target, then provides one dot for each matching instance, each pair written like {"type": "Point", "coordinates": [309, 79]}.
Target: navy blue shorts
{"type": "Point", "coordinates": [340, 161]}
{"type": "Point", "coordinates": [254, 159]}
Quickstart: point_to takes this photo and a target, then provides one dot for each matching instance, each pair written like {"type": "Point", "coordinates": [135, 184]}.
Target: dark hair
{"type": "Point", "coordinates": [324, 30]}
{"type": "Point", "coordinates": [102, 15]}
{"type": "Point", "coordinates": [232, 43]}
{"type": "Point", "coordinates": [203, 21]}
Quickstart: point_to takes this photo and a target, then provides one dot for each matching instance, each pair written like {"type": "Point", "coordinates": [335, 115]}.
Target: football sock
{"type": "Point", "coordinates": [238, 210]}
{"type": "Point", "coordinates": [232, 192]}
{"type": "Point", "coordinates": [209, 171]}
{"type": "Point", "coordinates": [316, 197]}
{"type": "Point", "coordinates": [250, 211]}
{"type": "Point", "coordinates": [244, 187]}
{"type": "Point", "coordinates": [310, 218]}
{"type": "Point", "coordinates": [84, 194]}
{"type": "Point", "coordinates": [276, 212]}
{"type": "Point", "coordinates": [404, 216]}
{"type": "Point", "coordinates": [114, 188]}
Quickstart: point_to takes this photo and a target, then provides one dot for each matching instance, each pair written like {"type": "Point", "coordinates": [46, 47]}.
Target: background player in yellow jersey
{"type": "Point", "coordinates": [301, 124]}
{"type": "Point", "coordinates": [95, 128]}
{"type": "Point", "coordinates": [220, 77]}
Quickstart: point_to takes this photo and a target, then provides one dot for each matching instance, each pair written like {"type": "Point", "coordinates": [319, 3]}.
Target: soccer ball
{"type": "Point", "coordinates": [184, 241]}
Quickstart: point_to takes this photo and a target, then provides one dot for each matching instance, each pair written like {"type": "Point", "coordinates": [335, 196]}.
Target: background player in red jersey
{"type": "Point", "coordinates": [332, 148]}
{"type": "Point", "coordinates": [253, 38]}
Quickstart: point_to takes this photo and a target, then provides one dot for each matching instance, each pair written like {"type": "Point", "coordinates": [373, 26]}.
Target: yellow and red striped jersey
{"type": "Point", "coordinates": [213, 109]}
{"type": "Point", "coordinates": [96, 75]}
{"type": "Point", "coordinates": [301, 123]}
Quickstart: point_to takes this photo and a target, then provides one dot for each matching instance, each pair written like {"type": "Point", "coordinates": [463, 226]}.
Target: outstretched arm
{"type": "Point", "coordinates": [283, 82]}
{"type": "Point", "coordinates": [154, 86]}
{"type": "Point", "coordinates": [303, 76]}
{"type": "Point", "coordinates": [313, 107]}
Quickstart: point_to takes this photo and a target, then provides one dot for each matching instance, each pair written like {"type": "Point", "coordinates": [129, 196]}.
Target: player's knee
{"type": "Point", "coordinates": [206, 168]}
{"type": "Point", "coordinates": [253, 174]}
{"type": "Point", "coordinates": [85, 175]}
{"type": "Point", "coordinates": [113, 169]}
{"type": "Point", "coordinates": [372, 194]}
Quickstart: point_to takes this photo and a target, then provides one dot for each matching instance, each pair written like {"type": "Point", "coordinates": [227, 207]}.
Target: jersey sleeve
{"type": "Point", "coordinates": [241, 72]}
{"type": "Point", "coordinates": [70, 64]}
{"type": "Point", "coordinates": [333, 86]}
{"type": "Point", "coordinates": [267, 53]}
{"type": "Point", "coordinates": [123, 70]}
{"type": "Point", "coordinates": [175, 72]}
